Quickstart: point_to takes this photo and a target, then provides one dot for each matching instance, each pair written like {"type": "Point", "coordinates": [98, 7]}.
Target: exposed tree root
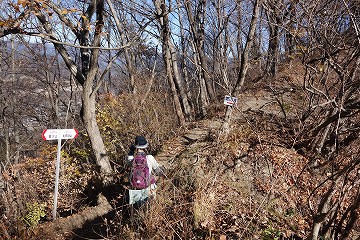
{"type": "Point", "coordinates": [62, 226]}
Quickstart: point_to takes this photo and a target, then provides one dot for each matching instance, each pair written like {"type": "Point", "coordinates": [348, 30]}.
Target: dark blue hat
{"type": "Point", "coordinates": [140, 142]}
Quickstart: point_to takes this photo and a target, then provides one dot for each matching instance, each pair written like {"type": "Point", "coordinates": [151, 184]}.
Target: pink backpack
{"type": "Point", "coordinates": [140, 174]}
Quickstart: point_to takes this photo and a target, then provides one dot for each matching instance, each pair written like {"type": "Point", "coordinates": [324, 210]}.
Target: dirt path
{"type": "Point", "coordinates": [172, 149]}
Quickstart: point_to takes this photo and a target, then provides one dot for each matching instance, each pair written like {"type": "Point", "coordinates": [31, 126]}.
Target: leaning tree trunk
{"type": "Point", "coordinates": [85, 75]}
{"type": "Point", "coordinates": [199, 41]}
{"type": "Point", "coordinates": [62, 226]}
{"type": "Point", "coordinates": [322, 213]}
{"type": "Point", "coordinates": [183, 64]}
{"type": "Point", "coordinates": [89, 119]}
{"type": "Point", "coordinates": [89, 98]}
{"type": "Point", "coordinates": [179, 112]}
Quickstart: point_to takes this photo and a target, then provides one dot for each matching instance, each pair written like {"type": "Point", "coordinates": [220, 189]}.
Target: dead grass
{"type": "Point", "coordinates": [207, 200]}
{"type": "Point", "coordinates": [249, 186]}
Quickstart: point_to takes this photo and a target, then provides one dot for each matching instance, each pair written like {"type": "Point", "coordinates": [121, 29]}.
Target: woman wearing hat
{"type": "Point", "coordinates": [139, 149]}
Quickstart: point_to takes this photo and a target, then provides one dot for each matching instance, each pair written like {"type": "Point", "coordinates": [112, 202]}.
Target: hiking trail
{"type": "Point", "coordinates": [199, 132]}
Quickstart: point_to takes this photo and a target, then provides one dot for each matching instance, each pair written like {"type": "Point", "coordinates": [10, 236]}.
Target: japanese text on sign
{"type": "Point", "coordinates": [52, 134]}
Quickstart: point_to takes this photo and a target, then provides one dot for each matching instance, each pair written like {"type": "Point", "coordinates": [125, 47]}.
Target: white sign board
{"type": "Point", "coordinates": [230, 101]}
{"type": "Point", "coordinates": [58, 134]}
{"type": "Point", "coordinates": [53, 134]}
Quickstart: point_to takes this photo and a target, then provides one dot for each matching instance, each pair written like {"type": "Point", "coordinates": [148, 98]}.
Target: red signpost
{"type": "Point", "coordinates": [58, 134]}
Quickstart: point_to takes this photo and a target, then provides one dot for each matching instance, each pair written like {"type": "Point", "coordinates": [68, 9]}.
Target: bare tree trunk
{"type": "Point", "coordinates": [321, 215]}
{"type": "Point", "coordinates": [177, 103]}
{"type": "Point", "coordinates": [204, 96]}
{"type": "Point", "coordinates": [239, 32]}
{"type": "Point", "coordinates": [197, 27]}
{"type": "Point", "coordinates": [279, 14]}
{"type": "Point", "coordinates": [166, 49]}
{"type": "Point", "coordinates": [261, 38]}
{"type": "Point", "coordinates": [89, 99]}
{"type": "Point", "coordinates": [224, 43]}
{"type": "Point", "coordinates": [106, 87]}
{"type": "Point", "coordinates": [289, 35]}
{"type": "Point", "coordinates": [205, 72]}
{"type": "Point", "coordinates": [7, 140]}
{"type": "Point", "coordinates": [183, 63]}
{"type": "Point", "coordinates": [273, 52]}
{"type": "Point", "coordinates": [180, 83]}
{"type": "Point", "coordinates": [151, 82]}
{"type": "Point", "coordinates": [352, 214]}
{"type": "Point", "coordinates": [5, 120]}
{"type": "Point", "coordinates": [89, 119]}
{"type": "Point", "coordinates": [8, 102]}
{"type": "Point", "coordinates": [243, 67]}
{"type": "Point", "coordinates": [199, 41]}
{"type": "Point", "coordinates": [17, 146]}
{"type": "Point", "coordinates": [65, 225]}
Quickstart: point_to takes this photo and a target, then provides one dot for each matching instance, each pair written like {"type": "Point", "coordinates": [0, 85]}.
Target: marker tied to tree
{"type": "Point", "coordinates": [230, 101]}
{"type": "Point", "coordinates": [58, 134]}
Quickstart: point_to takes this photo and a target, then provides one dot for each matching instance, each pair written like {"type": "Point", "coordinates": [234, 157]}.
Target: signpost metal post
{"type": "Point", "coordinates": [57, 173]}
{"type": "Point", "coordinates": [53, 134]}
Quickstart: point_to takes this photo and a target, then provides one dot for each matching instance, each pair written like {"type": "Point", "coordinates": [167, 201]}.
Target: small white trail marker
{"type": "Point", "coordinates": [230, 101]}
{"type": "Point", "coordinates": [58, 134]}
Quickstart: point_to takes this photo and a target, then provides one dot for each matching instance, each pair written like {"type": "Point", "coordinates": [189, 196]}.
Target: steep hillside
{"type": "Point", "coordinates": [252, 185]}
{"type": "Point", "coordinates": [246, 187]}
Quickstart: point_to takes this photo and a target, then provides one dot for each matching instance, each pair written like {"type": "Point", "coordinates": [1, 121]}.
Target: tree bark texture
{"type": "Point", "coordinates": [273, 17]}
{"type": "Point", "coordinates": [163, 20]}
{"type": "Point", "coordinates": [180, 82]}
{"type": "Point", "coordinates": [188, 108]}
{"type": "Point", "coordinates": [197, 26]}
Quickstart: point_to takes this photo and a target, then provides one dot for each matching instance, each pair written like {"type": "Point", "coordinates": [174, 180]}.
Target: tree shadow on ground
{"type": "Point", "coordinates": [110, 223]}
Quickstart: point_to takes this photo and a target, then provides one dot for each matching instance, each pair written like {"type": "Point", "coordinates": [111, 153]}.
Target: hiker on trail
{"type": "Point", "coordinates": [144, 167]}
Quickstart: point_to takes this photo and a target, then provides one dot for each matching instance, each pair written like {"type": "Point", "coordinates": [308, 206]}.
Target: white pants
{"type": "Point", "coordinates": [141, 195]}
